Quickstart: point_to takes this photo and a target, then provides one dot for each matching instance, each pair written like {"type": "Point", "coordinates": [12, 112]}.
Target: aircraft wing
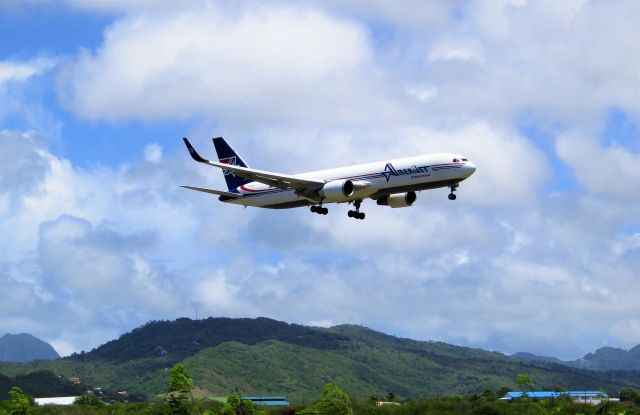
{"type": "Point", "coordinates": [304, 187]}
{"type": "Point", "coordinates": [213, 192]}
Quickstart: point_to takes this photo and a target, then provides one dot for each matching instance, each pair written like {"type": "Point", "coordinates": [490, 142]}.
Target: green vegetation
{"type": "Point", "coordinates": [524, 383]}
{"type": "Point", "coordinates": [267, 357]}
{"type": "Point", "coordinates": [39, 383]}
{"type": "Point", "coordinates": [630, 395]}
{"type": "Point", "coordinates": [19, 403]}
{"type": "Point", "coordinates": [235, 406]}
{"type": "Point", "coordinates": [180, 396]}
{"type": "Point", "coordinates": [333, 401]}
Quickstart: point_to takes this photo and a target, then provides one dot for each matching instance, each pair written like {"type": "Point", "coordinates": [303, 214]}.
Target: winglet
{"type": "Point", "coordinates": [194, 153]}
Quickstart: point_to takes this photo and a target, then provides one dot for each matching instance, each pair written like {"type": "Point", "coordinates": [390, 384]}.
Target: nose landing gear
{"type": "Point", "coordinates": [356, 214]}
{"type": "Point", "coordinates": [453, 188]}
{"type": "Point", "coordinates": [319, 210]}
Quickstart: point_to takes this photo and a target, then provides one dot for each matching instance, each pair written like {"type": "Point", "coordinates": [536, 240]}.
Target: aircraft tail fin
{"type": "Point", "coordinates": [227, 155]}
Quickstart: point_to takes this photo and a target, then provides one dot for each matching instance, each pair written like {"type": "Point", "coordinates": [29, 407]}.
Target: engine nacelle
{"type": "Point", "coordinates": [344, 190]}
{"type": "Point", "coordinates": [399, 200]}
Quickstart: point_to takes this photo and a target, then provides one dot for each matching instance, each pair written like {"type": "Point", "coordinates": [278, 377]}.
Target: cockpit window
{"type": "Point", "coordinates": [456, 160]}
{"type": "Point", "coordinates": [465, 160]}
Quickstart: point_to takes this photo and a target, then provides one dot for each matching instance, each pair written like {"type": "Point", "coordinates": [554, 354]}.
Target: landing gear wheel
{"type": "Point", "coordinates": [356, 214]}
{"type": "Point", "coordinates": [452, 196]}
{"type": "Point", "coordinates": [319, 210]}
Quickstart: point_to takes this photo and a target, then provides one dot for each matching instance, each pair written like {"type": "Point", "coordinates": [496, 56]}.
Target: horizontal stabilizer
{"type": "Point", "coordinates": [213, 192]}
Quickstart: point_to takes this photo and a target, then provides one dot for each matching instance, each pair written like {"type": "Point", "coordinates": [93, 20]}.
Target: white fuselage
{"type": "Point", "coordinates": [383, 178]}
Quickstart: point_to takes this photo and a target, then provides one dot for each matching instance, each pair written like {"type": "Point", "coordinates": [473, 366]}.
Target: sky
{"type": "Point", "coordinates": [539, 253]}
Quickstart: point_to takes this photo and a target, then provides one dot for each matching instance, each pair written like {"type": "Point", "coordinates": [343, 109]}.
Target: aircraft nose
{"type": "Point", "coordinates": [471, 167]}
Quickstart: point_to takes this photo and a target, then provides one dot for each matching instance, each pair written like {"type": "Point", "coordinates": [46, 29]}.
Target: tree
{"type": "Point", "coordinates": [502, 391]}
{"type": "Point", "coordinates": [524, 384]}
{"type": "Point", "coordinates": [19, 403]}
{"type": "Point", "coordinates": [333, 401]}
{"type": "Point", "coordinates": [236, 406]}
{"type": "Point", "coordinates": [629, 395]}
{"type": "Point", "coordinates": [488, 395]}
{"type": "Point", "coordinates": [88, 399]}
{"type": "Point", "coordinates": [180, 395]}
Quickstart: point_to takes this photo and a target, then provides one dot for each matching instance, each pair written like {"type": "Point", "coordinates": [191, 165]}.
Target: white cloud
{"type": "Point", "coordinates": [153, 153]}
{"type": "Point", "coordinates": [21, 71]}
{"type": "Point", "coordinates": [260, 63]}
{"type": "Point", "coordinates": [70, 262]}
{"type": "Point", "coordinates": [607, 170]}
{"type": "Point", "coordinates": [457, 49]}
{"type": "Point", "coordinates": [627, 331]}
{"type": "Point", "coordinates": [511, 169]}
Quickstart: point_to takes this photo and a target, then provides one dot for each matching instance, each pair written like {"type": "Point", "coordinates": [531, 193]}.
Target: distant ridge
{"type": "Point", "coordinates": [605, 358]}
{"type": "Point", "coordinates": [25, 347]}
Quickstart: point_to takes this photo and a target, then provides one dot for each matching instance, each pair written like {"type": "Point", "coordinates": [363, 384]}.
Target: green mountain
{"type": "Point", "coordinates": [185, 337]}
{"type": "Point", "coordinates": [610, 358]}
{"type": "Point", "coordinates": [605, 358]}
{"type": "Point", "coordinates": [268, 357]}
{"type": "Point", "coordinates": [25, 347]}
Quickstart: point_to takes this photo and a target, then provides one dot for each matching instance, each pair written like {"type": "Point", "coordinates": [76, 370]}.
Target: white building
{"type": "Point", "coordinates": [58, 401]}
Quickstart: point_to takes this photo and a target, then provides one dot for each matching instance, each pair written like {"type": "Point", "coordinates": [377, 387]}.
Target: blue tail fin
{"type": "Point", "coordinates": [228, 156]}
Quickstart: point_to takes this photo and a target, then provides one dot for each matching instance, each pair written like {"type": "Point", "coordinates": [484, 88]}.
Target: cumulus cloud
{"type": "Point", "coordinates": [608, 170]}
{"type": "Point", "coordinates": [260, 63]}
{"type": "Point", "coordinates": [66, 256]}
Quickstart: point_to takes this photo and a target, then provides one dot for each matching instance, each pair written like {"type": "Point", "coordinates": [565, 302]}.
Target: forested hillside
{"type": "Point", "coordinates": [41, 383]}
{"type": "Point", "coordinates": [263, 356]}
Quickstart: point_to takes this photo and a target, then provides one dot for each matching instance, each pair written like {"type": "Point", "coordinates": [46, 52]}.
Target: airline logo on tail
{"type": "Point", "coordinates": [230, 161]}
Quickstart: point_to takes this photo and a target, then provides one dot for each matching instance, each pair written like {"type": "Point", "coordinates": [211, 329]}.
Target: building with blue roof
{"type": "Point", "coordinates": [267, 400]}
{"type": "Point", "coordinates": [590, 397]}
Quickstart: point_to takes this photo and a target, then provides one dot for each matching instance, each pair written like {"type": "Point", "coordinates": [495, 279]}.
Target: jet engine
{"type": "Point", "coordinates": [344, 190]}
{"type": "Point", "coordinates": [398, 200]}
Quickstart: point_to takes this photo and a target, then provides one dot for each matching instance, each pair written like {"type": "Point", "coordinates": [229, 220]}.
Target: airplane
{"type": "Point", "coordinates": [392, 183]}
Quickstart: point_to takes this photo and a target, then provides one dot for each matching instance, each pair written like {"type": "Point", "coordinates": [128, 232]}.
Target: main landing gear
{"type": "Point", "coordinates": [453, 188]}
{"type": "Point", "coordinates": [319, 210]}
{"type": "Point", "coordinates": [356, 214]}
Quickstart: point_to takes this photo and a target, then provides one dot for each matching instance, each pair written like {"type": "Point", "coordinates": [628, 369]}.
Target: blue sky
{"type": "Point", "coordinates": [545, 97]}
